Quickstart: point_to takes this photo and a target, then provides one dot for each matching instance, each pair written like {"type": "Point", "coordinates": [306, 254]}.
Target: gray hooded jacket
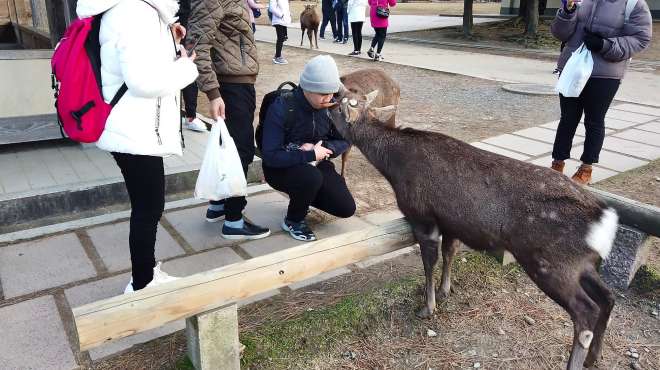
{"type": "Point", "coordinates": [605, 18]}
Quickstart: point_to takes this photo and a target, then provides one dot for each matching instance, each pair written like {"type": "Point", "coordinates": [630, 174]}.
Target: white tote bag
{"type": "Point", "coordinates": [221, 174]}
{"type": "Point", "coordinates": [576, 73]}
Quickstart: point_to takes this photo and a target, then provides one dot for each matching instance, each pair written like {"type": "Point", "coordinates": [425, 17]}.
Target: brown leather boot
{"type": "Point", "coordinates": [558, 166]}
{"type": "Point", "coordinates": [583, 174]}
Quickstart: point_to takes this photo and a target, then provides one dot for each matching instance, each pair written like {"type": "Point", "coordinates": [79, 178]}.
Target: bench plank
{"type": "Point", "coordinates": [146, 309]}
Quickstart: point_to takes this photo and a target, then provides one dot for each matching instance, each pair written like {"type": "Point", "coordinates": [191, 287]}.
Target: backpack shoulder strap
{"type": "Point", "coordinates": [630, 6]}
{"type": "Point", "coordinates": [122, 90]}
{"type": "Point", "coordinates": [290, 115]}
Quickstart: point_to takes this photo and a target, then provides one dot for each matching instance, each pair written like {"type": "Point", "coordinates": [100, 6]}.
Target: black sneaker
{"type": "Point", "coordinates": [299, 230]}
{"type": "Point", "coordinates": [370, 53]}
{"type": "Point", "coordinates": [248, 231]}
{"type": "Point", "coordinates": [214, 216]}
{"type": "Point", "coordinates": [354, 52]}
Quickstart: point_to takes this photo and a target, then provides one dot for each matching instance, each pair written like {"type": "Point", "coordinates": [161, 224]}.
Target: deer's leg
{"type": "Point", "coordinates": [316, 39]}
{"type": "Point", "coordinates": [561, 281]}
{"type": "Point", "coordinates": [427, 236]}
{"type": "Point", "coordinates": [344, 158]}
{"type": "Point", "coordinates": [309, 36]}
{"type": "Point", "coordinates": [302, 37]}
{"type": "Point", "coordinates": [603, 296]}
{"type": "Point", "coordinates": [449, 249]}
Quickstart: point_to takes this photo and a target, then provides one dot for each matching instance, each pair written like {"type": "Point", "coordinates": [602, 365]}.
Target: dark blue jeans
{"type": "Point", "coordinates": [342, 22]}
{"type": "Point", "coordinates": [328, 17]}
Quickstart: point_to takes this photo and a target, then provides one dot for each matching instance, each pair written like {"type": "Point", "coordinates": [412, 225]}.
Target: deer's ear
{"type": "Point", "coordinates": [382, 114]}
{"type": "Point", "coordinates": [370, 97]}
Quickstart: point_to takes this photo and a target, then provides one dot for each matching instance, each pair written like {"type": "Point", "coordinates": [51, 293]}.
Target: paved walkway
{"type": "Point", "coordinates": [637, 87]}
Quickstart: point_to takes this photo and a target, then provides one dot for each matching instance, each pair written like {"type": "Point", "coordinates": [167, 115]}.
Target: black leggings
{"type": "Point", "coordinates": [594, 101]}
{"type": "Point", "coordinates": [281, 35]}
{"type": "Point", "coordinates": [145, 182]}
{"type": "Point", "coordinates": [190, 99]}
{"type": "Point", "coordinates": [356, 28]}
{"type": "Point", "coordinates": [319, 186]}
{"type": "Point", "coordinates": [379, 38]}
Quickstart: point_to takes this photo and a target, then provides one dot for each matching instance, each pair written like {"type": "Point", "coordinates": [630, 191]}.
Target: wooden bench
{"type": "Point", "coordinates": [208, 300]}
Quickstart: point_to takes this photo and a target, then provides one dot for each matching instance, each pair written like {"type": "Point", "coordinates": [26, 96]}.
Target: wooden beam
{"type": "Point", "coordinates": [133, 313]}
{"type": "Point", "coordinates": [641, 216]}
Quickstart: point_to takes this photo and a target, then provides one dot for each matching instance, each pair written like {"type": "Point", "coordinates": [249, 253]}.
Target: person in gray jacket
{"type": "Point", "coordinates": [612, 39]}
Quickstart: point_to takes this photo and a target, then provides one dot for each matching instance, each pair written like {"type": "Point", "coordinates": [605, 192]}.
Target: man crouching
{"type": "Point", "coordinates": [296, 156]}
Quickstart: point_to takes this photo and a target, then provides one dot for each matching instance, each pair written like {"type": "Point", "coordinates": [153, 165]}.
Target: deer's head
{"type": "Point", "coordinates": [354, 109]}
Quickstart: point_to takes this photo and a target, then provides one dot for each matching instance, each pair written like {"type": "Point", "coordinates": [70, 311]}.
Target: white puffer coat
{"type": "Point", "coordinates": [137, 48]}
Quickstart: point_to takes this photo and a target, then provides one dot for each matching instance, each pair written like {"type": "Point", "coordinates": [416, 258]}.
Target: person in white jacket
{"type": "Point", "coordinates": [138, 48]}
{"type": "Point", "coordinates": [280, 15]}
{"type": "Point", "coordinates": [356, 16]}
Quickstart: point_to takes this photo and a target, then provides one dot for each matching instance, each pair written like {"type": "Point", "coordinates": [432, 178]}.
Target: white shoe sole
{"type": "Point", "coordinates": [245, 237]}
{"type": "Point", "coordinates": [286, 228]}
{"type": "Point", "coordinates": [214, 220]}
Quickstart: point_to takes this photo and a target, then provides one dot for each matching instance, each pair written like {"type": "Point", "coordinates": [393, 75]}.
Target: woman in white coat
{"type": "Point", "coordinates": [280, 15]}
{"type": "Point", "coordinates": [356, 16]}
{"type": "Point", "coordinates": [138, 48]}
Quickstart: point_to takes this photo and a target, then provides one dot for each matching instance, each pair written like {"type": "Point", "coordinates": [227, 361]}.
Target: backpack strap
{"type": "Point", "coordinates": [630, 6]}
{"type": "Point", "coordinates": [122, 90]}
{"type": "Point", "coordinates": [290, 115]}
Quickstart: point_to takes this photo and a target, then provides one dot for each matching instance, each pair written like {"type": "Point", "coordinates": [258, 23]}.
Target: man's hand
{"type": "Point", "coordinates": [321, 152]}
{"type": "Point", "coordinates": [217, 108]}
{"type": "Point", "coordinates": [307, 147]}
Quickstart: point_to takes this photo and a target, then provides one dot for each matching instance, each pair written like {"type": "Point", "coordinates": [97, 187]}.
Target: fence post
{"type": "Point", "coordinates": [629, 253]}
{"type": "Point", "coordinates": [213, 339]}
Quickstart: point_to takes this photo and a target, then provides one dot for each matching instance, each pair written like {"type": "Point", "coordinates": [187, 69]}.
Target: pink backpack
{"type": "Point", "coordinates": [76, 79]}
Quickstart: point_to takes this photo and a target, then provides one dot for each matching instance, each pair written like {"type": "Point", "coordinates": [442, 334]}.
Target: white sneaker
{"type": "Point", "coordinates": [194, 125]}
{"type": "Point", "coordinates": [160, 277]}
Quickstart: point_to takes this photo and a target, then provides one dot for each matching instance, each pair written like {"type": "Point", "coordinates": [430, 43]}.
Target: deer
{"type": "Point", "coordinates": [451, 192]}
{"type": "Point", "coordinates": [365, 80]}
{"type": "Point", "coordinates": [309, 20]}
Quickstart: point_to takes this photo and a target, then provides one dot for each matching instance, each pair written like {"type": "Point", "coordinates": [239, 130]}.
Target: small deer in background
{"type": "Point", "coordinates": [364, 81]}
{"type": "Point", "coordinates": [309, 20]}
{"type": "Point", "coordinates": [557, 230]}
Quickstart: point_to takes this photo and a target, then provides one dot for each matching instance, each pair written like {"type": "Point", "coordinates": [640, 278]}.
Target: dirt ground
{"type": "Point", "coordinates": [328, 327]}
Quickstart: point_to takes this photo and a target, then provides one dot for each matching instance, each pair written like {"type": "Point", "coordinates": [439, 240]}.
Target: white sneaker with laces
{"type": "Point", "coordinates": [195, 125]}
{"type": "Point", "coordinates": [160, 277]}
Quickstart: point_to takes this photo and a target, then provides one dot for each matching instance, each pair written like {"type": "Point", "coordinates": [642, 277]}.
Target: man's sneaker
{"type": "Point", "coordinates": [345, 41]}
{"type": "Point", "coordinates": [354, 52]}
{"type": "Point", "coordinates": [280, 60]}
{"type": "Point", "coordinates": [160, 277]}
{"type": "Point", "coordinates": [370, 53]}
{"type": "Point", "coordinates": [322, 37]}
{"type": "Point", "coordinates": [248, 231]}
{"type": "Point", "coordinates": [378, 58]}
{"type": "Point", "coordinates": [214, 216]}
{"type": "Point", "coordinates": [298, 230]}
{"type": "Point", "coordinates": [194, 125]}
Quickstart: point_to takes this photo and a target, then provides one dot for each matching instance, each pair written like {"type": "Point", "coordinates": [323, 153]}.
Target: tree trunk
{"type": "Point", "coordinates": [467, 17]}
{"type": "Point", "coordinates": [532, 18]}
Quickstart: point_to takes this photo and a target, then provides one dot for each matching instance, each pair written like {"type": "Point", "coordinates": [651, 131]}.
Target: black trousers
{"type": "Point", "coordinates": [594, 101]}
{"type": "Point", "coordinates": [379, 38]}
{"type": "Point", "coordinates": [356, 28]}
{"type": "Point", "coordinates": [328, 16]}
{"type": "Point", "coordinates": [240, 100]}
{"type": "Point", "coordinates": [145, 182]}
{"type": "Point", "coordinates": [190, 99]}
{"type": "Point", "coordinates": [341, 16]}
{"type": "Point", "coordinates": [319, 186]}
{"type": "Point", "coordinates": [281, 35]}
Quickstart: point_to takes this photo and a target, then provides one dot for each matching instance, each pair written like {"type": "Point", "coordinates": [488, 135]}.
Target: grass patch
{"type": "Point", "coordinates": [647, 281]}
{"type": "Point", "coordinates": [184, 363]}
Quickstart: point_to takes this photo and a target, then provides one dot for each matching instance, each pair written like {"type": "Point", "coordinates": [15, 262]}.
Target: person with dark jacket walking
{"type": "Point", "coordinates": [227, 61]}
{"type": "Point", "coordinates": [190, 120]}
{"type": "Point", "coordinates": [296, 158]}
{"type": "Point", "coordinates": [612, 39]}
{"type": "Point", "coordinates": [328, 16]}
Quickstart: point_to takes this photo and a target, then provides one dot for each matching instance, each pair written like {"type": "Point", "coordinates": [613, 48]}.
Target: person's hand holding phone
{"type": "Point", "coordinates": [178, 31]}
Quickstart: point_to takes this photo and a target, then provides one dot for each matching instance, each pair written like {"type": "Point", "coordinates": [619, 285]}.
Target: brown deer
{"type": "Point", "coordinates": [309, 20]}
{"type": "Point", "coordinates": [363, 81]}
{"type": "Point", "coordinates": [555, 229]}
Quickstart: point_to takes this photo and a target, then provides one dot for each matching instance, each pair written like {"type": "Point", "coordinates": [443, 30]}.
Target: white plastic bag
{"type": "Point", "coordinates": [221, 174]}
{"type": "Point", "coordinates": [576, 73]}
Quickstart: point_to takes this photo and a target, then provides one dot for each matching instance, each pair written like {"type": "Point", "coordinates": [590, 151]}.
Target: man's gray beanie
{"type": "Point", "coordinates": [320, 75]}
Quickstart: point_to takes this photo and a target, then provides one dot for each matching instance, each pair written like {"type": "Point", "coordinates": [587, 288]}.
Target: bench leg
{"type": "Point", "coordinates": [629, 253]}
{"type": "Point", "coordinates": [213, 339]}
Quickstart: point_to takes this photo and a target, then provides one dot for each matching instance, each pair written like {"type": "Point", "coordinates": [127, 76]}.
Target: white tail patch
{"type": "Point", "coordinates": [601, 234]}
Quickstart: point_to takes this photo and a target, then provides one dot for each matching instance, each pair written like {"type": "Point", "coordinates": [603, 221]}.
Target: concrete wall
{"type": "Point", "coordinates": [25, 76]}
{"type": "Point", "coordinates": [511, 7]}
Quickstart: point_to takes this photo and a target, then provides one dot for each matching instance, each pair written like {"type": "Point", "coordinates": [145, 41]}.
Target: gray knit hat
{"type": "Point", "coordinates": [320, 75]}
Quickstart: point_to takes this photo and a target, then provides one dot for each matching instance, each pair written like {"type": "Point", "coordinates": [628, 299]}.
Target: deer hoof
{"type": "Point", "coordinates": [442, 294]}
{"type": "Point", "coordinates": [424, 313]}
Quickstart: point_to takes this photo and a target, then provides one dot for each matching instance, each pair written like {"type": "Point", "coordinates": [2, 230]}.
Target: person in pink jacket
{"type": "Point", "coordinates": [380, 24]}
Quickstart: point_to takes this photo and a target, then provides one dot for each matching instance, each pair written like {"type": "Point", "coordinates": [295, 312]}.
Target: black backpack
{"type": "Point", "coordinates": [289, 118]}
